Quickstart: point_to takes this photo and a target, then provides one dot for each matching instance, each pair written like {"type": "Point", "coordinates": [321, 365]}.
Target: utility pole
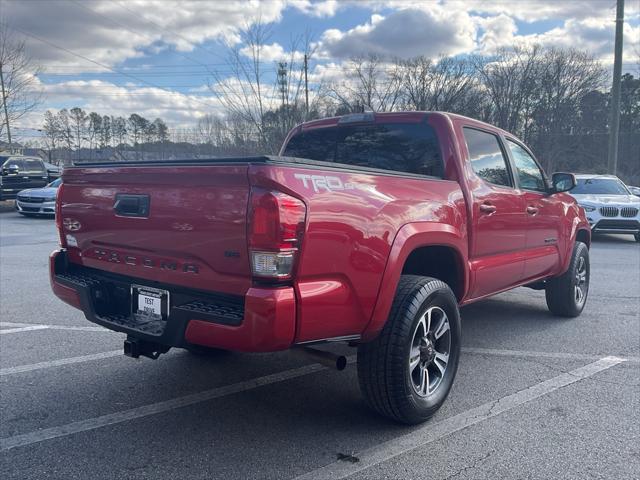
{"type": "Point", "coordinates": [306, 89]}
{"type": "Point", "coordinates": [614, 125]}
{"type": "Point", "coordinates": [282, 83]}
{"type": "Point", "coordinates": [4, 104]}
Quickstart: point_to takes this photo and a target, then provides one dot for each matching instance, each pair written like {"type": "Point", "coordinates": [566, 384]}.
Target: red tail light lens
{"type": "Point", "coordinates": [58, 214]}
{"type": "Point", "coordinates": [276, 227]}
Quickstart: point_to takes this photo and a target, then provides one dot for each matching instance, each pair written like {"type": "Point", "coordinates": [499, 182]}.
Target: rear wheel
{"type": "Point", "coordinates": [567, 294]}
{"type": "Point", "coordinates": [407, 372]}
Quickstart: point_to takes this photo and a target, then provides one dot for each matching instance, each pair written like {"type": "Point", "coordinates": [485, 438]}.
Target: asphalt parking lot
{"type": "Point", "coordinates": [535, 396]}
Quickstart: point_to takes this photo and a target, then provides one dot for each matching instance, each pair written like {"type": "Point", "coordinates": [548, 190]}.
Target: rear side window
{"type": "Point", "coordinates": [487, 159]}
{"type": "Point", "coordinates": [402, 147]}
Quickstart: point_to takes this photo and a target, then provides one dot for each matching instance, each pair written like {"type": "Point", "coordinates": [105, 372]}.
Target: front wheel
{"type": "Point", "coordinates": [567, 294]}
{"type": "Point", "coordinates": [407, 372]}
{"type": "Point", "coordinates": [637, 235]}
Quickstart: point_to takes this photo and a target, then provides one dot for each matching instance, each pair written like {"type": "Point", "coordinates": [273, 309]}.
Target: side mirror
{"type": "Point", "coordinates": [563, 182]}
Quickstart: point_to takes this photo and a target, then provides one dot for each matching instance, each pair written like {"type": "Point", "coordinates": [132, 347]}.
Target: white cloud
{"type": "Point", "coordinates": [274, 53]}
{"type": "Point", "coordinates": [106, 98]}
{"type": "Point", "coordinates": [405, 33]}
{"type": "Point", "coordinates": [110, 32]}
{"type": "Point", "coordinates": [315, 8]}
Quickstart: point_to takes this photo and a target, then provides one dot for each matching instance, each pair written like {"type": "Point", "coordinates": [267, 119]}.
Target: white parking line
{"type": "Point", "coordinates": [428, 433]}
{"type": "Point", "coordinates": [58, 363]}
{"type": "Point", "coordinates": [432, 432]}
{"type": "Point", "coordinates": [23, 329]}
{"type": "Point", "coordinates": [533, 354]}
{"type": "Point", "coordinates": [154, 408]}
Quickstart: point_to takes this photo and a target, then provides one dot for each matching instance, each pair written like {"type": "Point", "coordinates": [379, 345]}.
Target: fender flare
{"type": "Point", "coordinates": [410, 237]}
{"type": "Point", "coordinates": [577, 225]}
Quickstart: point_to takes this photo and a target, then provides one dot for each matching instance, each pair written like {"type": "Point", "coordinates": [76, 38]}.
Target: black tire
{"type": "Point", "coordinates": [561, 292]}
{"type": "Point", "coordinates": [386, 380]}
{"type": "Point", "coordinates": [637, 235]}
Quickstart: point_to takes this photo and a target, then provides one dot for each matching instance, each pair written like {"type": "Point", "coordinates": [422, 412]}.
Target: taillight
{"type": "Point", "coordinates": [58, 213]}
{"type": "Point", "coordinates": [276, 227]}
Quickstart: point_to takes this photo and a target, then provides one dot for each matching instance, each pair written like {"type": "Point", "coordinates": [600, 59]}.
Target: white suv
{"type": "Point", "coordinates": [608, 203]}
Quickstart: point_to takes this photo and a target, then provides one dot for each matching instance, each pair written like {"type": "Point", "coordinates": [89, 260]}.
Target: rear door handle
{"type": "Point", "coordinates": [486, 208]}
{"type": "Point", "coordinates": [532, 210]}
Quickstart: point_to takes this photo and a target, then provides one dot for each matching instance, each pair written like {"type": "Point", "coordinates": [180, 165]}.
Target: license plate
{"type": "Point", "coordinates": [149, 302]}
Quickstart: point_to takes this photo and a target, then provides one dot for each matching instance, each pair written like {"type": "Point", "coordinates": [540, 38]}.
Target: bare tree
{"type": "Point", "coordinates": [446, 85]}
{"type": "Point", "coordinates": [53, 132]}
{"type": "Point", "coordinates": [511, 82]}
{"type": "Point", "coordinates": [565, 77]}
{"type": "Point", "coordinates": [244, 95]}
{"type": "Point", "coordinates": [78, 120]}
{"type": "Point", "coordinates": [370, 83]}
{"type": "Point", "coordinates": [266, 108]}
{"type": "Point", "coordinates": [94, 130]}
{"type": "Point", "coordinates": [18, 80]}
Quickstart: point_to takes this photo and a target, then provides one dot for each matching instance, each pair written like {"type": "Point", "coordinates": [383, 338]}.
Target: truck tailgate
{"type": "Point", "coordinates": [182, 225]}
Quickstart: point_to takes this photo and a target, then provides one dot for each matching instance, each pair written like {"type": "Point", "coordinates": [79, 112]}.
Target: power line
{"type": "Point", "coordinates": [103, 65]}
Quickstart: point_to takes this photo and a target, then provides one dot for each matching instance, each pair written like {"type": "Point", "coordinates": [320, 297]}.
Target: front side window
{"type": "Point", "coordinates": [13, 163]}
{"type": "Point", "coordinates": [401, 147]}
{"type": "Point", "coordinates": [530, 177]}
{"type": "Point", "coordinates": [486, 157]}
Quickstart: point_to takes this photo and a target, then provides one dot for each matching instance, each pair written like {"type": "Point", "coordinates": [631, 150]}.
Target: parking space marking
{"type": "Point", "coordinates": [26, 327]}
{"type": "Point", "coordinates": [432, 432]}
{"type": "Point", "coordinates": [426, 434]}
{"type": "Point", "coordinates": [155, 408]}
{"type": "Point", "coordinates": [23, 329]}
{"type": "Point", "coordinates": [58, 363]}
{"type": "Point", "coordinates": [534, 354]}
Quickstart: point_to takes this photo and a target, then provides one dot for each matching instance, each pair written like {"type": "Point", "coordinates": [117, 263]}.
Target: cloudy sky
{"type": "Point", "coordinates": [156, 57]}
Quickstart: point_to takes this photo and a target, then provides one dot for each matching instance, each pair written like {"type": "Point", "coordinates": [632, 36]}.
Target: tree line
{"type": "Point", "coordinates": [75, 130]}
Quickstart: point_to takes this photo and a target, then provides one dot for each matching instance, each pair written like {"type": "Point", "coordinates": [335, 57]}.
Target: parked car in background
{"type": "Point", "coordinates": [38, 201]}
{"type": "Point", "coordinates": [610, 206]}
{"type": "Point", "coordinates": [20, 173]}
{"type": "Point", "coordinates": [634, 190]}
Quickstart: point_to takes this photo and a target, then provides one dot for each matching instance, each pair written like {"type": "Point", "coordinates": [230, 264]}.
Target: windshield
{"type": "Point", "coordinates": [599, 186]}
{"type": "Point", "coordinates": [56, 183]}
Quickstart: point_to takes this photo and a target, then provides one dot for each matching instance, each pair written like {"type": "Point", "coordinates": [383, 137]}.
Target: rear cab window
{"type": "Point", "coordinates": [487, 158]}
{"type": "Point", "coordinates": [401, 147]}
{"type": "Point", "coordinates": [33, 166]}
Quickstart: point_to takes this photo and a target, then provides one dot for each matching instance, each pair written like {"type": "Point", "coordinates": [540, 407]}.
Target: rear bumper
{"type": "Point", "coordinates": [262, 320]}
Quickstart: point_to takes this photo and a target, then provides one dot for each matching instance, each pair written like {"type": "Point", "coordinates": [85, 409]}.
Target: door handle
{"type": "Point", "coordinates": [487, 208]}
{"type": "Point", "coordinates": [532, 210]}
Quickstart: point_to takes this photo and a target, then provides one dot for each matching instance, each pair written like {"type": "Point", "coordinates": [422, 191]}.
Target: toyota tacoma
{"type": "Point", "coordinates": [369, 229]}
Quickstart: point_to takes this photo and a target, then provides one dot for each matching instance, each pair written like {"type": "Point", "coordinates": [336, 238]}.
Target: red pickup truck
{"type": "Point", "coordinates": [370, 229]}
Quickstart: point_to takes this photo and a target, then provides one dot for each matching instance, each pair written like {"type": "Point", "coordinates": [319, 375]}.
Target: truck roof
{"type": "Point", "coordinates": [411, 116]}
